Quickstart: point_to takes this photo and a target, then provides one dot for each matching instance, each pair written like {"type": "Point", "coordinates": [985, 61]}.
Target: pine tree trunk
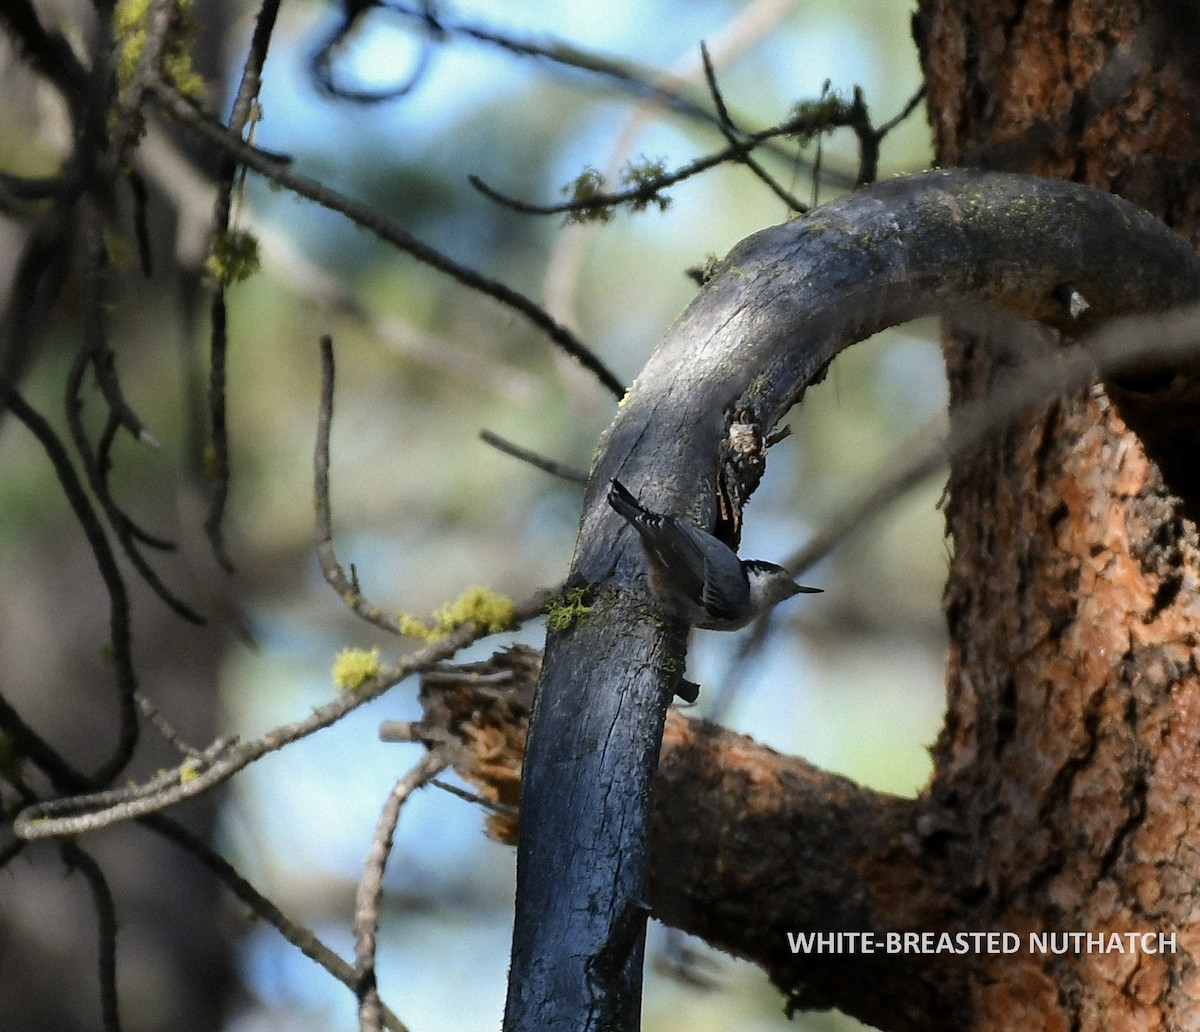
{"type": "Point", "coordinates": [1067, 767]}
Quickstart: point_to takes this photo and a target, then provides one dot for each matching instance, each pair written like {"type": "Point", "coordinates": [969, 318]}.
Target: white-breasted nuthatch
{"type": "Point", "coordinates": [697, 576]}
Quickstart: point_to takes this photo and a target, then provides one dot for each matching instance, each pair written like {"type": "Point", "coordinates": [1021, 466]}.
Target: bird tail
{"type": "Point", "coordinates": [628, 506]}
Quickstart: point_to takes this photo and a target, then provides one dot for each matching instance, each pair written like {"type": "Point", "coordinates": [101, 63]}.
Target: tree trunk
{"type": "Point", "coordinates": [1068, 757]}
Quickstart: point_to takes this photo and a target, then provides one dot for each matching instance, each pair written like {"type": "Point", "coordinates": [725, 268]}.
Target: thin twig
{"type": "Point", "coordinates": [256, 56]}
{"type": "Point", "coordinates": [322, 62]}
{"type": "Point", "coordinates": [47, 52]}
{"type": "Point", "coordinates": [106, 930]}
{"type": "Point", "coordinates": [94, 352]}
{"type": "Point", "coordinates": [474, 798]}
{"type": "Point", "coordinates": [33, 747]}
{"type": "Point", "coordinates": [363, 216]}
{"type": "Point", "coordinates": [110, 573]}
{"type": "Point", "coordinates": [398, 731]}
{"type": "Point", "coordinates": [370, 887]}
{"type": "Point", "coordinates": [731, 133]}
{"type": "Point", "coordinates": [217, 466]}
{"type": "Point", "coordinates": [907, 110]}
{"type": "Point", "coordinates": [302, 938]}
{"type": "Point", "coordinates": [648, 191]}
{"type": "Point", "coordinates": [556, 469]}
{"type": "Point", "coordinates": [347, 588]}
{"type": "Point", "coordinates": [243, 106]}
{"type": "Point", "coordinates": [226, 757]}
{"type": "Point", "coordinates": [564, 54]}
{"type": "Point", "coordinates": [165, 728]}
{"type": "Point", "coordinates": [662, 88]}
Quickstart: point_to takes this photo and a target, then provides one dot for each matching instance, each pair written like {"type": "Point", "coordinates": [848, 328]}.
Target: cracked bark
{"type": "Point", "coordinates": [1073, 687]}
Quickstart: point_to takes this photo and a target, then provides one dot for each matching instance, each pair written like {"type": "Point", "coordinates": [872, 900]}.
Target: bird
{"type": "Point", "coordinates": [697, 576]}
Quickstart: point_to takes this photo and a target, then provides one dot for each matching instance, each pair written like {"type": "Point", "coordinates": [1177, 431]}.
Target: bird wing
{"type": "Point", "coordinates": [680, 555]}
{"type": "Point", "coordinates": [726, 588]}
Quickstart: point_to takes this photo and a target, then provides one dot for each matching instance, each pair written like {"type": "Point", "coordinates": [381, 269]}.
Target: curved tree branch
{"type": "Point", "coordinates": [765, 328]}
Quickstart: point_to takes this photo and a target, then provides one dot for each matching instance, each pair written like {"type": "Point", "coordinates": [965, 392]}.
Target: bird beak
{"type": "Point", "coordinates": [802, 589]}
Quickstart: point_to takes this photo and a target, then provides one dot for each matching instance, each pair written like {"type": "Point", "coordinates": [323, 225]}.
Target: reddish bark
{"type": "Point", "coordinates": [1069, 754]}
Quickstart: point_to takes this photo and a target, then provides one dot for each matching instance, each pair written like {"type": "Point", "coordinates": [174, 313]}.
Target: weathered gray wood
{"type": "Point", "coordinates": [780, 307]}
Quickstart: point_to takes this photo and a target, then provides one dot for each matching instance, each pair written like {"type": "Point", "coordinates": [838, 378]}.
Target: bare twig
{"type": "Point", "coordinates": [106, 931]}
{"type": "Point", "coordinates": [243, 106]}
{"type": "Point", "coordinates": [302, 938]}
{"type": "Point", "coordinates": [94, 352]}
{"type": "Point", "coordinates": [225, 757]}
{"type": "Point", "coordinates": [370, 887]}
{"type": "Point", "coordinates": [32, 746]}
{"type": "Point", "coordinates": [905, 111]}
{"type": "Point", "coordinates": [731, 133]}
{"type": "Point", "coordinates": [165, 729]}
{"type": "Point", "coordinates": [110, 573]}
{"type": "Point", "coordinates": [322, 60]}
{"type": "Point", "coordinates": [362, 215]}
{"type": "Point", "coordinates": [649, 190]}
{"type": "Point", "coordinates": [474, 798]}
{"type": "Point", "coordinates": [1119, 346]}
{"type": "Point", "coordinates": [347, 588]}
{"type": "Point", "coordinates": [562, 53]}
{"type": "Point", "coordinates": [48, 52]}
{"type": "Point", "coordinates": [217, 466]}
{"type": "Point", "coordinates": [556, 469]}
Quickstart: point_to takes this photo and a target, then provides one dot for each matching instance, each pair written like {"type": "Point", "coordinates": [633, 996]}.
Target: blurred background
{"type": "Point", "coordinates": [852, 679]}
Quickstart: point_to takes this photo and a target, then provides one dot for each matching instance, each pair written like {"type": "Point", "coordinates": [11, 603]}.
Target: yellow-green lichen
{"type": "Point", "coordinates": [566, 609]}
{"type": "Point", "coordinates": [129, 28]}
{"type": "Point", "coordinates": [130, 31]}
{"type": "Point", "coordinates": [812, 117]}
{"type": "Point", "coordinates": [234, 257]}
{"type": "Point", "coordinates": [489, 611]}
{"type": "Point", "coordinates": [354, 667]}
{"type": "Point", "coordinates": [645, 173]}
{"type": "Point", "coordinates": [585, 188]}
